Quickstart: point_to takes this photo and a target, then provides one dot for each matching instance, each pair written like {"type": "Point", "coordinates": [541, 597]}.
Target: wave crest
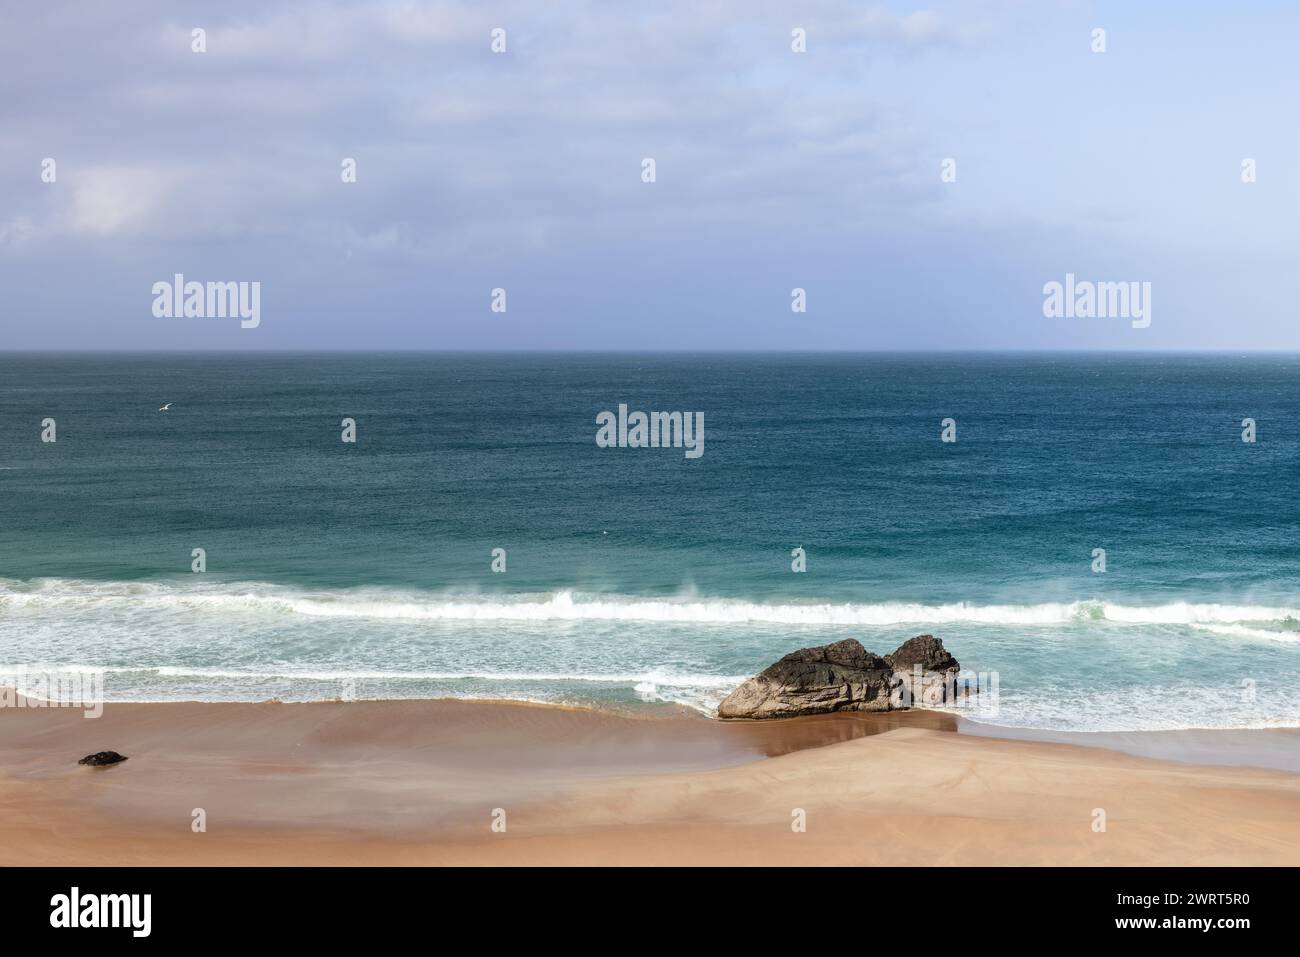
{"type": "Point", "coordinates": [568, 605]}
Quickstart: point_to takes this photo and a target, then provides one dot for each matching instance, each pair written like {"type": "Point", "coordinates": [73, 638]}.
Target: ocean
{"type": "Point", "coordinates": [638, 578]}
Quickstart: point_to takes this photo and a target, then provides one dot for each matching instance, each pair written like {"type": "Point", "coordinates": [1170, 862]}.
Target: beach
{"type": "Point", "coordinates": [320, 651]}
{"type": "Point", "coordinates": [424, 782]}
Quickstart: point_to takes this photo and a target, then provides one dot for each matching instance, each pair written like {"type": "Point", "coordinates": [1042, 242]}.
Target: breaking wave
{"type": "Point", "coordinates": [567, 605]}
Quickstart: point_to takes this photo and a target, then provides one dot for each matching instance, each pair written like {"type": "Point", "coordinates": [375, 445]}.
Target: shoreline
{"type": "Point", "coordinates": [419, 782]}
{"type": "Point", "coordinates": [1275, 748]}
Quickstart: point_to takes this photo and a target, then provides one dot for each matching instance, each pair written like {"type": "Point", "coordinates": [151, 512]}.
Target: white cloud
{"type": "Point", "coordinates": [120, 201]}
{"type": "Point", "coordinates": [245, 140]}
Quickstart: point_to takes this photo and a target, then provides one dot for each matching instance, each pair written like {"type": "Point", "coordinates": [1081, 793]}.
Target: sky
{"type": "Point", "coordinates": [522, 170]}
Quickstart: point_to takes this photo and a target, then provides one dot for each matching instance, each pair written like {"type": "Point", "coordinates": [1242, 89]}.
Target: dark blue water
{"type": "Point", "coordinates": [641, 574]}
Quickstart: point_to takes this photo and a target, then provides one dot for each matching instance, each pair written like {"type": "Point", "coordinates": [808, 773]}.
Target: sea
{"type": "Point", "coordinates": [1097, 540]}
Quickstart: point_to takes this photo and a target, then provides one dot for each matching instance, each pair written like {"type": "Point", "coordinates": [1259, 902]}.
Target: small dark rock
{"type": "Point", "coordinates": [102, 758]}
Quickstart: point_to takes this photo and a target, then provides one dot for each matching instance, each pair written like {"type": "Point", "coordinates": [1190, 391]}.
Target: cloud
{"type": "Point", "coordinates": [112, 202]}
{"type": "Point", "coordinates": [246, 139]}
{"type": "Point", "coordinates": [774, 168]}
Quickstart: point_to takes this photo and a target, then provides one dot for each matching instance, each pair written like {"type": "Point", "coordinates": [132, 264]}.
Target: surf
{"type": "Point", "coordinates": [369, 603]}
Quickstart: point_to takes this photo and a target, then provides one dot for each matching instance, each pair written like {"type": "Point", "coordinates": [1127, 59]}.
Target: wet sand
{"type": "Point", "coordinates": [1277, 748]}
{"type": "Point", "coordinates": [421, 782]}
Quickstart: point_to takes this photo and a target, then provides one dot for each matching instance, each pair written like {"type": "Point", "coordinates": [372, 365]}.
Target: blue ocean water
{"type": "Point", "coordinates": [636, 577]}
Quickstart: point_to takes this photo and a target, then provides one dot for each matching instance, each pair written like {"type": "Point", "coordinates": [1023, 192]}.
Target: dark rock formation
{"type": "Point", "coordinates": [102, 758]}
{"type": "Point", "coordinates": [844, 676]}
{"type": "Point", "coordinates": [924, 650]}
{"type": "Point", "coordinates": [925, 670]}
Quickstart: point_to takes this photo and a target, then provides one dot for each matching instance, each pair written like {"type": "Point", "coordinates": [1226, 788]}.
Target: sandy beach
{"type": "Point", "coordinates": [421, 782]}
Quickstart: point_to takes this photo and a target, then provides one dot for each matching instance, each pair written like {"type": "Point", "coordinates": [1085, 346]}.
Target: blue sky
{"type": "Point", "coordinates": [522, 170]}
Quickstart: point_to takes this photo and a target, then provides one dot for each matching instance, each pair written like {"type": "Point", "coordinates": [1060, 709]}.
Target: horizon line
{"type": "Point", "coordinates": [652, 352]}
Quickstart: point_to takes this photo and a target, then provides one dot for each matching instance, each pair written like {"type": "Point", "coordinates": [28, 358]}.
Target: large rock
{"type": "Point", "coordinates": [844, 676]}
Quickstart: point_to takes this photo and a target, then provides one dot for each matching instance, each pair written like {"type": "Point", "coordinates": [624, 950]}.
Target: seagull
{"type": "Point", "coordinates": [165, 407]}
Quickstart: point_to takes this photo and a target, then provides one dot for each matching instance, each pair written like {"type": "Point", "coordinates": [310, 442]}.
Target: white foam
{"type": "Point", "coordinates": [1142, 708]}
{"type": "Point", "coordinates": [700, 692]}
{"type": "Point", "coordinates": [567, 605]}
{"type": "Point", "coordinates": [648, 679]}
{"type": "Point", "coordinates": [163, 622]}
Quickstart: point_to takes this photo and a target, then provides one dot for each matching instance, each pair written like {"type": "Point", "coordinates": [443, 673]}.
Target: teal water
{"type": "Point", "coordinates": [636, 577]}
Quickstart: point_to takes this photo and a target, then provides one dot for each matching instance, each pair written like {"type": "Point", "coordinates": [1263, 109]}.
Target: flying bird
{"type": "Point", "coordinates": [165, 407]}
